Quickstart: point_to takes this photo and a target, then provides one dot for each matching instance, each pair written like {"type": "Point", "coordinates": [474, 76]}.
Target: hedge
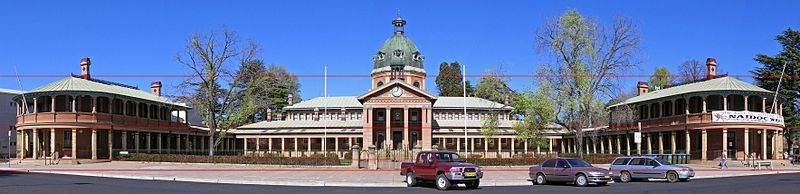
{"type": "Point", "coordinates": [272, 159]}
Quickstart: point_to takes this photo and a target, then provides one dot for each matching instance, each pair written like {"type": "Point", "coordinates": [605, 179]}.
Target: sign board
{"type": "Point", "coordinates": [745, 117]}
{"type": "Point", "coordinates": [637, 137]}
{"type": "Point", "coordinates": [123, 152]}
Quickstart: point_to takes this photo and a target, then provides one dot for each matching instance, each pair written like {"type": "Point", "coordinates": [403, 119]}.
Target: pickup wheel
{"type": "Point", "coordinates": [540, 180]}
{"type": "Point", "coordinates": [442, 183]}
{"type": "Point", "coordinates": [411, 180]}
{"type": "Point", "coordinates": [473, 184]}
{"type": "Point", "coordinates": [581, 181]}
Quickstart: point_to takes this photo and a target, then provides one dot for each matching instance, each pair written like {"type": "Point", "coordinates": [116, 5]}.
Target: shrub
{"type": "Point", "coordinates": [272, 159]}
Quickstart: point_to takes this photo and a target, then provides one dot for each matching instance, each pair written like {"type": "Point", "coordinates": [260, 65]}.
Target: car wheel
{"type": "Point", "coordinates": [672, 177]}
{"type": "Point", "coordinates": [473, 184]}
{"type": "Point", "coordinates": [581, 180]}
{"type": "Point", "coordinates": [442, 183]}
{"type": "Point", "coordinates": [625, 177]}
{"type": "Point", "coordinates": [411, 180]}
{"type": "Point", "coordinates": [540, 180]}
{"type": "Point", "coordinates": [602, 184]}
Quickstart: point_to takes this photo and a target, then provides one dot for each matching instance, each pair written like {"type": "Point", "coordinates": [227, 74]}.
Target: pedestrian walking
{"type": "Point", "coordinates": [724, 163]}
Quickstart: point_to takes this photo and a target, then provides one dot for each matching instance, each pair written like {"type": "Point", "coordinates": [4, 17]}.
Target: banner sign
{"type": "Point", "coordinates": [745, 117]}
{"type": "Point", "coordinates": [637, 137]}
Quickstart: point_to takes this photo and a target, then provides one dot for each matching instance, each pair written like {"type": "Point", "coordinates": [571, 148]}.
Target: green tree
{"type": "Point", "coordinates": [265, 88]}
{"type": "Point", "coordinates": [537, 114]}
{"type": "Point", "coordinates": [661, 78]}
{"type": "Point", "coordinates": [585, 57]}
{"type": "Point", "coordinates": [492, 87]}
{"type": "Point", "coordinates": [767, 76]}
{"type": "Point", "coordinates": [211, 89]}
{"type": "Point", "coordinates": [489, 127]}
{"type": "Point", "coordinates": [449, 81]}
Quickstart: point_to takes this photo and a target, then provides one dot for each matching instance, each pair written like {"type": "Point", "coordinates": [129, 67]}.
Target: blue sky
{"type": "Point", "coordinates": [143, 37]}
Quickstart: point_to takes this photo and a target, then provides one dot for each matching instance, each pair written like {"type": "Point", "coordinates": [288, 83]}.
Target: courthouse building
{"type": "Point", "coordinates": [80, 117]}
{"type": "Point", "coordinates": [397, 112]}
{"type": "Point", "coordinates": [705, 118]}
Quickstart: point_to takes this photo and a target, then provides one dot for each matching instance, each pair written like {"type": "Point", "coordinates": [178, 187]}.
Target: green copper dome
{"type": "Point", "coordinates": [398, 50]}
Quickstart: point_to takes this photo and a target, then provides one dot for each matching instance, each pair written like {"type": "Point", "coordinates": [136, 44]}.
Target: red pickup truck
{"type": "Point", "coordinates": [443, 167]}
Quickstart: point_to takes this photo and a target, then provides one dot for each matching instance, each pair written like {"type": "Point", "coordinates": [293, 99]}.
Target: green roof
{"type": "Point", "coordinates": [444, 102]}
{"type": "Point", "coordinates": [337, 102]}
{"type": "Point", "coordinates": [409, 54]}
{"type": "Point", "coordinates": [714, 85]}
{"type": "Point", "coordinates": [10, 91]}
{"type": "Point", "coordinates": [303, 124]}
{"type": "Point", "coordinates": [73, 84]}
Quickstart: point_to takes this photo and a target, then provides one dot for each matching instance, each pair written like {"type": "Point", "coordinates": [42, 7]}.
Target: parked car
{"type": "Point", "coordinates": [444, 168]}
{"type": "Point", "coordinates": [633, 168]}
{"type": "Point", "coordinates": [572, 170]}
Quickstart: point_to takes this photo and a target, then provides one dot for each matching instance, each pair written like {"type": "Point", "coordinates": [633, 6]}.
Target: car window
{"type": "Point", "coordinates": [578, 163]}
{"type": "Point", "coordinates": [652, 162]}
{"type": "Point", "coordinates": [621, 161]}
{"type": "Point", "coordinates": [663, 162]}
{"type": "Point", "coordinates": [637, 161]}
{"type": "Point", "coordinates": [423, 158]}
{"type": "Point", "coordinates": [549, 163]}
{"type": "Point", "coordinates": [562, 164]}
{"type": "Point", "coordinates": [448, 157]}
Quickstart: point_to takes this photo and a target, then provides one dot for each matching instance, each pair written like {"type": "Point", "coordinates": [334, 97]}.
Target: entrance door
{"type": "Point", "coordinates": [397, 139]}
{"type": "Point", "coordinates": [379, 143]}
{"type": "Point", "coordinates": [731, 144]}
{"type": "Point", "coordinates": [414, 137]}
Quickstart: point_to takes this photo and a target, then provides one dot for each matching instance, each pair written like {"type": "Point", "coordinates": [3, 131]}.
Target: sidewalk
{"type": "Point", "coordinates": [322, 176]}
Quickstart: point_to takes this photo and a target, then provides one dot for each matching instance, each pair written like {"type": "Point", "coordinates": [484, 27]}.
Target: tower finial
{"type": "Point", "coordinates": [398, 24]}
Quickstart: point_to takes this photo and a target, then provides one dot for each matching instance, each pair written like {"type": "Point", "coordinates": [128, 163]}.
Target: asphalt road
{"type": "Point", "coordinates": [52, 183]}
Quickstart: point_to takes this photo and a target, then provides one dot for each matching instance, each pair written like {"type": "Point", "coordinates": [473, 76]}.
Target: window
{"type": "Point", "coordinates": [380, 83]}
{"type": "Point", "coordinates": [414, 115]}
{"type": "Point", "coordinates": [380, 116]}
{"type": "Point", "coordinates": [416, 84]}
{"type": "Point", "coordinates": [450, 116]}
{"type": "Point", "coordinates": [423, 158]}
{"type": "Point", "coordinates": [67, 139]}
{"type": "Point", "coordinates": [578, 163]}
{"type": "Point", "coordinates": [637, 161]}
{"type": "Point", "coordinates": [549, 163]}
{"type": "Point", "coordinates": [562, 164]}
{"type": "Point", "coordinates": [470, 116]}
{"type": "Point", "coordinates": [621, 161]}
{"type": "Point", "coordinates": [652, 163]}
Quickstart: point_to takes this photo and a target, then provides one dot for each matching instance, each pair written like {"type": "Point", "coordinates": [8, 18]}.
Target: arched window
{"type": "Point", "coordinates": [416, 84]}
{"type": "Point", "coordinates": [380, 83]}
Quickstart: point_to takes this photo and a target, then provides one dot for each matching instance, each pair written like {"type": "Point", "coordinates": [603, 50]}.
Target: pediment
{"type": "Point", "coordinates": [397, 89]}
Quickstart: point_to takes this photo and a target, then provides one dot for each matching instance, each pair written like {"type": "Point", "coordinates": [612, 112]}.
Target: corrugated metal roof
{"type": "Point", "coordinates": [82, 85]}
{"type": "Point", "coordinates": [713, 85]}
{"type": "Point", "coordinates": [10, 91]}
{"type": "Point", "coordinates": [470, 123]}
{"type": "Point", "coordinates": [472, 102]}
{"type": "Point", "coordinates": [302, 124]}
{"type": "Point", "coordinates": [297, 131]}
{"type": "Point", "coordinates": [499, 131]}
{"type": "Point", "coordinates": [337, 102]}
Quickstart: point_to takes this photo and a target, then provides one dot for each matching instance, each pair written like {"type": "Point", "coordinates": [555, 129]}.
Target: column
{"type": "Point", "coordinates": [158, 142]}
{"type": "Point", "coordinates": [485, 145]}
{"type": "Point", "coordinates": [74, 103]}
{"type": "Point", "coordinates": [74, 144]}
{"type": "Point", "coordinates": [704, 104]}
{"type": "Point", "coordinates": [178, 143]}
{"type": "Point", "coordinates": [295, 145]}
{"type": "Point", "coordinates": [388, 135]}
{"type": "Point", "coordinates": [688, 143]}
{"type": "Point", "coordinates": [336, 144]}
{"type": "Point", "coordinates": [52, 105]}
{"type": "Point", "coordinates": [458, 144]}
{"type": "Point", "coordinates": [136, 139]}
{"type": "Point", "coordinates": [704, 141]}
{"type": "Point", "coordinates": [472, 145]}
{"type": "Point", "coordinates": [94, 144]}
{"type": "Point", "coordinates": [245, 146]}
{"type": "Point", "coordinates": [562, 146]}
{"type": "Point", "coordinates": [724, 141]}
{"type": "Point", "coordinates": [628, 144]}
{"type": "Point", "coordinates": [724, 104]}
{"type": "Point", "coordinates": [513, 141]}
{"type": "Point", "coordinates": [639, 148]}
{"type": "Point", "coordinates": [602, 145]}
{"type": "Point", "coordinates": [660, 143]}
{"type": "Point", "coordinates": [124, 140]}
{"type": "Point", "coordinates": [746, 106]}
{"type": "Point", "coordinates": [649, 144]}
{"type": "Point", "coordinates": [94, 103]}
{"type": "Point", "coordinates": [186, 143]}
{"type": "Point", "coordinates": [309, 144]}
{"type": "Point", "coordinates": [594, 146]}
{"type": "Point", "coordinates": [110, 144]}
{"type": "Point", "coordinates": [269, 141]}
{"type": "Point", "coordinates": [764, 144]}
{"type": "Point", "coordinates": [258, 145]}
{"type": "Point", "coordinates": [551, 146]}
{"type": "Point", "coordinates": [610, 145]}
{"type": "Point", "coordinates": [619, 145]}
{"type": "Point", "coordinates": [405, 129]}
{"type": "Point", "coordinates": [283, 144]}
{"type": "Point", "coordinates": [52, 140]}
{"type": "Point", "coordinates": [747, 143]}
{"type": "Point", "coordinates": [35, 139]}
{"type": "Point", "coordinates": [763, 105]}
{"type": "Point", "coordinates": [673, 147]}
{"type": "Point", "coordinates": [147, 142]}
{"type": "Point", "coordinates": [526, 147]}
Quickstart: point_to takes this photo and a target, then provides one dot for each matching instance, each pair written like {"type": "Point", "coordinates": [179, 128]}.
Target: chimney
{"type": "Point", "coordinates": [642, 88]}
{"type": "Point", "coordinates": [155, 87]}
{"type": "Point", "coordinates": [316, 114]}
{"type": "Point", "coordinates": [505, 100]}
{"type": "Point", "coordinates": [290, 99]}
{"type": "Point", "coordinates": [269, 115]}
{"type": "Point", "coordinates": [711, 63]}
{"type": "Point", "coordinates": [280, 116]}
{"type": "Point", "coordinates": [85, 63]}
{"type": "Point", "coordinates": [343, 116]}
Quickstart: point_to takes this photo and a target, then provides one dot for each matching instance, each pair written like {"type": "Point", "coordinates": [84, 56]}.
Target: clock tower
{"type": "Point", "coordinates": [398, 59]}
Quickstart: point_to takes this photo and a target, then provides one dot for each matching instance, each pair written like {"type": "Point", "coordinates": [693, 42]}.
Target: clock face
{"type": "Point", "coordinates": [397, 91]}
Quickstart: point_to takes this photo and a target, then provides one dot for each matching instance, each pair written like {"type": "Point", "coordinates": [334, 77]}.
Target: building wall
{"type": "Point", "coordinates": [8, 119]}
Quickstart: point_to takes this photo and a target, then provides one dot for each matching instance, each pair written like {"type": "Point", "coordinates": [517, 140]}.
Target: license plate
{"type": "Point", "coordinates": [469, 174]}
{"type": "Point", "coordinates": [608, 177]}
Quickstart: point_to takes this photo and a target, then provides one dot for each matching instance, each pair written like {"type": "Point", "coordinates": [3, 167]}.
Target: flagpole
{"type": "Point", "coordinates": [325, 122]}
{"type": "Point", "coordinates": [775, 97]}
{"type": "Point", "coordinates": [464, 88]}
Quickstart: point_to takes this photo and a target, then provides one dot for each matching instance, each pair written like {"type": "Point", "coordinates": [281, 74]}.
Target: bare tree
{"type": "Point", "coordinates": [213, 59]}
{"type": "Point", "coordinates": [586, 59]}
{"type": "Point", "coordinates": [690, 70]}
